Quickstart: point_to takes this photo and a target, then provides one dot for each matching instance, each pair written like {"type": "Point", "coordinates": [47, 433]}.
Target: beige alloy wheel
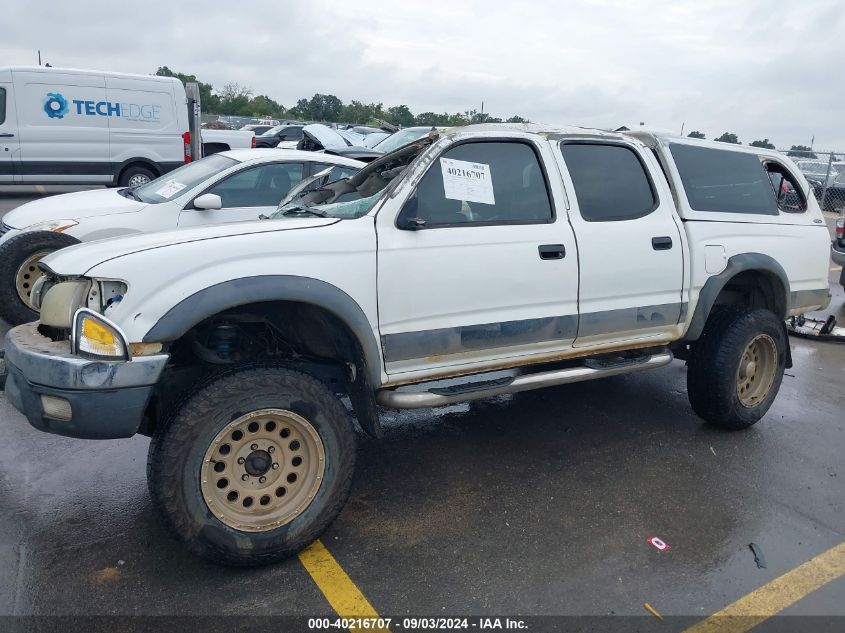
{"type": "Point", "coordinates": [263, 470]}
{"type": "Point", "coordinates": [756, 372]}
{"type": "Point", "coordinates": [27, 275]}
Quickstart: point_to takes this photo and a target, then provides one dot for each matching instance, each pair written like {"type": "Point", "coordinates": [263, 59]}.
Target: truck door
{"type": "Point", "coordinates": [630, 247]}
{"type": "Point", "coordinates": [477, 263]}
{"type": "Point", "coordinates": [9, 143]}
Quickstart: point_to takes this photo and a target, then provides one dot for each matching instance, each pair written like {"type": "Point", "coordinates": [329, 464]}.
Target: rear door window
{"type": "Point", "coordinates": [2, 106]}
{"type": "Point", "coordinates": [724, 181]}
{"type": "Point", "coordinates": [610, 181]}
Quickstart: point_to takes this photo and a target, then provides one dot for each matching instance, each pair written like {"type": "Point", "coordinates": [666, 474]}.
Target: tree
{"type": "Point", "coordinates": [696, 134]}
{"type": "Point", "coordinates": [208, 101]}
{"type": "Point", "coordinates": [516, 119]}
{"type": "Point", "coordinates": [764, 144]}
{"type": "Point", "coordinates": [400, 115]}
{"type": "Point", "coordinates": [728, 137]}
{"type": "Point", "coordinates": [801, 151]}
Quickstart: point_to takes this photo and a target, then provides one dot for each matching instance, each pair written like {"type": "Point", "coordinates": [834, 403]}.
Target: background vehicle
{"type": "Point", "coordinates": [837, 249]}
{"type": "Point", "coordinates": [82, 126]}
{"type": "Point", "coordinates": [818, 173]}
{"type": "Point", "coordinates": [257, 128]}
{"type": "Point", "coordinates": [321, 138]}
{"type": "Point", "coordinates": [490, 261]}
{"type": "Point", "coordinates": [282, 136]}
{"type": "Point", "coordinates": [227, 187]}
{"type": "Point", "coordinates": [403, 137]}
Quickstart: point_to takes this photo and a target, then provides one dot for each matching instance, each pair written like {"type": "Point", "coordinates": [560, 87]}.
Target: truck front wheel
{"type": "Point", "coordinates": [736, 367]}
{"type": "Point", "coordinates": [253, 466]}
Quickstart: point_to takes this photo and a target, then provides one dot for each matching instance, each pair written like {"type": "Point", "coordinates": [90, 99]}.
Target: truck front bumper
{"type": "Point", "coordinates": [65, 394]}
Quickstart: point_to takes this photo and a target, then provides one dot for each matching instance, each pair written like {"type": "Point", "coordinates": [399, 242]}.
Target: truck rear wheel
{"type": "Point", "coordinates": [736, 367]}
{"type": "Point", "coordinates": [253, 466]}
{"type": "Point", "coordinates": [19, 257]}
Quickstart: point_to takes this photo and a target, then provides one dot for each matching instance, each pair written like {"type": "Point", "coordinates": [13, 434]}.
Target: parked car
{"type": "Point", "coordinates": [321, 138]}
{"type": "Point", "coordinates": [817, 174]}
{"type": "Point", "coordinates": [837, 248]}
{"type": "Point", "coordinates": [226, 187]}
{"type": "Point", "coordinates": [403, 137]}
{"type": "Point", "coordinates": [834, 195]}
{"type": "Point", "coordinates": [257, 128]}
{"type": "Point", "coordinates": [495, 256]}
{"type": "Point", "coordinates": [281, 136]}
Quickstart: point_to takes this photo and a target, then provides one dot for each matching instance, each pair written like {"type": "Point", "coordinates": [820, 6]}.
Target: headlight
{"type": "Point", "coordinates": [54, 226]}
{"type": "Point", "coordinates": [95, 336]}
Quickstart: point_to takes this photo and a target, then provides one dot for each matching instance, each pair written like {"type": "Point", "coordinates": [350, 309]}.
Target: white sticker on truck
{"type": "Point", "coordinates": [470, 182]}
{"type": "Point", "coordinates": [170, 188]}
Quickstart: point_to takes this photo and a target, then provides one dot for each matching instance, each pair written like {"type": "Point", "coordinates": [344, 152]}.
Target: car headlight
{"type": "Point", "coordinates": [94, 336]}
{"type": "Point", "coordinates": [54, 226]}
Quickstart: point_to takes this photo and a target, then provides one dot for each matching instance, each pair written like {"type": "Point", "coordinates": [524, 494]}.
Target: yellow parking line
{"type": "Point", "coordinates": [835, 268]}
{"type": "Point", "coordinates": [40, 189]}
{"type": "Point", "coordinates": [777, 595]}
{"type": "Point", "coordinates": [343, 595]}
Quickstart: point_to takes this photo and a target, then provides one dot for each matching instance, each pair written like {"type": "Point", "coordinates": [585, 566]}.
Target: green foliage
{"type": "Point", "coordinates": [764, 144]}
{"type": "Point", "coordinates": [728, 137]}
{"type": "Point", "coordinates": [696, 134]}
{"type": "Point", "coordinates": [208, 100]}
{"type": "Point", "coordinates": [801, 151]}
{"type": "Point", "coordinates": [236, 100]}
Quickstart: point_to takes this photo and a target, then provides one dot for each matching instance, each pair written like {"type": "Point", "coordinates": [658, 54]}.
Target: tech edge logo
{"type": "Point", "coordinates": [56, 107]}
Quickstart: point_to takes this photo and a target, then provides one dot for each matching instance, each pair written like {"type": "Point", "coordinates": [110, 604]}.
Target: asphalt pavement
{"type": "Point", "coordinates": [535, 504]}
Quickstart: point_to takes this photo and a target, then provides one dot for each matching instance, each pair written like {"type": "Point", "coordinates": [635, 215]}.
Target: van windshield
{"type": "Point", "coordinates": [175, 183]}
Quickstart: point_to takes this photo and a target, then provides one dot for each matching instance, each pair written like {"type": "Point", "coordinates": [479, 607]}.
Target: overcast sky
{"type": "Point", "coordinates": [761, 68]}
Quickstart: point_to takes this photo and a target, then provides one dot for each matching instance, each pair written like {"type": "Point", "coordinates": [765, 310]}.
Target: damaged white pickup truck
{"type": "Point", "coordinates": [490, 260]}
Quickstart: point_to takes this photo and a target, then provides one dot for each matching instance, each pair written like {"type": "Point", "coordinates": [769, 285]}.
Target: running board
{"type": "Point", "coordinates": [439, 397]}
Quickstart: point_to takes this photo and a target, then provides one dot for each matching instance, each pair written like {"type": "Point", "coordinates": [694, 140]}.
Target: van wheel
{"type": "Point", "coordinates": [736, 367]}
{"type": "Point", "coordinates": [135, 176]}
{"type": "Point", "coordinates": [253, 466]}
{"type": "Point", "coordinates": [19, 257]}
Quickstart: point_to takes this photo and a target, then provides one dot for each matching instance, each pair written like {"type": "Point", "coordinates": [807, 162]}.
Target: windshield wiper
{"type": "Point", "coordinates": [303, 210]}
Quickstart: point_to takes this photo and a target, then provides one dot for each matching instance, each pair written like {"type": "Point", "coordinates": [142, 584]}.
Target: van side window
{"type": "Point", "coordinates": [610, 181]}
{"type": "Point", "coordinates": [789, 196]}
{"type": "Point", "coordinates": [724, 181]}
{"type": "Point", "coordinates": [2, 106]}
{"type": "Point", "coordinates": [482, 183]}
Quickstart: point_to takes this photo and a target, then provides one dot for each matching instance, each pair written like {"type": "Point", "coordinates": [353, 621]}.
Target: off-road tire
{"type": "Point", "coordinates": [135, 172]}
{"type": "Point", "coordinates": [179, 445]}
{"type": "Point", "coordinates": [714, 364]}
{"type": "Point", "coordinates": [13, 254]}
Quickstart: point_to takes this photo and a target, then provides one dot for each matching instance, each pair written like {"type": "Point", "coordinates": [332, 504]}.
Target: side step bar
{"type": "Point", "coordinates": [439, 397]}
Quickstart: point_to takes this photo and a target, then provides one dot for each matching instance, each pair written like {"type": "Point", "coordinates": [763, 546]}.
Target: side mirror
{"type": "Point", "coordinates": [208, 201]}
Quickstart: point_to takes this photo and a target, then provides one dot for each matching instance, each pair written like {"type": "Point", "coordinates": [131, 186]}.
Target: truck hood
{"type": "Point", "coordinates": [79, 259]}
{"type": "Point", "coordinates": [72, 206]}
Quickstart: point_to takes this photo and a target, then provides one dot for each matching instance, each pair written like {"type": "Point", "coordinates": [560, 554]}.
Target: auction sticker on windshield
{"type": "Point", "coordinates": [470, 182]}
{"type": "Point", "coordinates": [170, 188]}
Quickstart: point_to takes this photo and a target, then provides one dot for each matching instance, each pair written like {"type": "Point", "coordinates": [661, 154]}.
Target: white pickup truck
{"type": "Point", "coordinates": [489, 260]}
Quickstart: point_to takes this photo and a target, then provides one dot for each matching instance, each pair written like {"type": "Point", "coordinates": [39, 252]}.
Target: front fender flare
{"type": "Point", "coordinates": [243, 291]}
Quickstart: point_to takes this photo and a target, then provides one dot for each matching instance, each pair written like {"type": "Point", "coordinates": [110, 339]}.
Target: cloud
{"type": "Point", "coordinates": [762, 69]}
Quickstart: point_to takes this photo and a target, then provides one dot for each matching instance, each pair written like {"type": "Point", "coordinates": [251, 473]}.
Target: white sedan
{"type": "Point", "coordinates": [231, 186]}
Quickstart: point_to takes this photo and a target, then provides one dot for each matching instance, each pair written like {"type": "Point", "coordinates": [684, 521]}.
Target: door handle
{"type": "Point", "coordinates": [6, 135]}
{"type": "Point", "coordinates": [663, 243]}
{"type": "Point", "coordinates": [552, 251]}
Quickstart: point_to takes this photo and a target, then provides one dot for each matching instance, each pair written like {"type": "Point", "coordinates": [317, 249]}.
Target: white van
{"type": "Point", "coordinates": [81, 126]}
